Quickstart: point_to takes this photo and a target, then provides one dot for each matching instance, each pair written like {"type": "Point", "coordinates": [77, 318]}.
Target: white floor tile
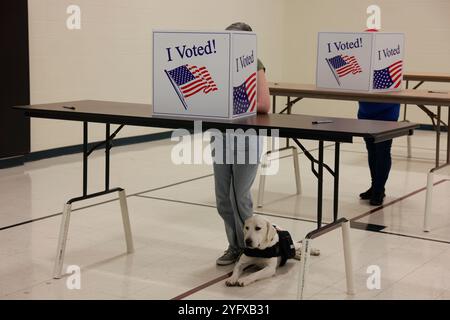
{"type": "Point", "coordinates": [177, 243]}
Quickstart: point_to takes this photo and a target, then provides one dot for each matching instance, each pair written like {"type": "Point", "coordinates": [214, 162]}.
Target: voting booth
{"type": "Point", "coordinates": [366, 61]}
{"type": "Point", "coordinates": [204, 74]}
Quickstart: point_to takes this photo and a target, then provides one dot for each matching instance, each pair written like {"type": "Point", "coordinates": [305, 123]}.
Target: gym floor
{"type": "Point", "coordinates": [178, 233]}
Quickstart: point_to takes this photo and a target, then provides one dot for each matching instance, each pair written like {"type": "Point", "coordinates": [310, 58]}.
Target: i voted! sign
{"type": "Point", "coordinates": [204, 74]}
{"type": "Point", "coordinates": [367, 61]}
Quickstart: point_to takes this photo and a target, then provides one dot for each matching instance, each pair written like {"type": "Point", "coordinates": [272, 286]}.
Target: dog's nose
{"type": "Point", "coordinates": [248, 242]}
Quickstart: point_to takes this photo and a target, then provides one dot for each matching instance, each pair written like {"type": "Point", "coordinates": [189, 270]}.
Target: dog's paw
{"type": "Point", "coordinates": [231, 282]}
{"type": "Point", "coordinates": [242, 283]}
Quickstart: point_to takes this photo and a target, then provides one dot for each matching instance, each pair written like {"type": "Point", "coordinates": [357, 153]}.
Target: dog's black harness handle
{"type": "Point", "coordinates": [284, 248]}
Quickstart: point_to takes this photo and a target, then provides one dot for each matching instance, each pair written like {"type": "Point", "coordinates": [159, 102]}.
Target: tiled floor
{"type": "Point", "coordinates": [178, 233]}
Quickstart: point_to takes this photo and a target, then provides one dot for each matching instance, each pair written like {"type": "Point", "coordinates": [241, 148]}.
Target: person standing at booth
{"type": "Point", "coordinates": [232, 180]}
{"type": "Point", "coordinates": [379, 154]}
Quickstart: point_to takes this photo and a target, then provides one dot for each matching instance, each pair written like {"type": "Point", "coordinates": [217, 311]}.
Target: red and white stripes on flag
{"type": "Point", "coordinates": [250, 84]}
{"type": "Point", "coordinates": [244, 95]}
{"type": "Point", "coordinates": [395, 71]}
{"type": "Point", "coordinates": [203, 82]}
{"type": "Point", "coordinates": [343, 65]}
{"type": "Point", "coordinates": [351, 67]}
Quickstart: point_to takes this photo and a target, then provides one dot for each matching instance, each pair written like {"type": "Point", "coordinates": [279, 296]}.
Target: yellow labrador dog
{"type": "Point", "coordinates": [267, 247]}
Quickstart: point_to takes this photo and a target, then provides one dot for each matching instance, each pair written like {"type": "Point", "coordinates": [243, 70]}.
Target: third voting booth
{"type": "Point", "coordinates": [204, 74]}
{"type": "Point", "coordinates": [366, 61]}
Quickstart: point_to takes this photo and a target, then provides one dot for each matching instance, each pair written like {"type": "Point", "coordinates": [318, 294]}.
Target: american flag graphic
{"type": "Point", "coordinates": [189, 80]}
{"type": "Point", "coordinates": [388, 77]}
{"type": "Point", "coordinates": [344, 65]}
{"type": "Point", "coordinates": [244, 96]}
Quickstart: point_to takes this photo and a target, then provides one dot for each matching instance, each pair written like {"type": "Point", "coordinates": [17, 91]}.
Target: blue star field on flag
{"type": "Point", "coordinates": [244, 96]}
{"type": "Point", "coordinates": [388, 77]}
{"type": "Point", "coordinates": [240, 100]}
{"type": "Point", "coordinates": [382, 79]}
{"type": "Point", "coordinates": [181, 75]}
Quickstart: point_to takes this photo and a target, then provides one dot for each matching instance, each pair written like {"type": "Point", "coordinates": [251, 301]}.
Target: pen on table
{"type": "Point", "coordinates": [443, 92]}
{"type": "Point", "coordinates": [69, 107]}
{"type": "Point", "coordinates": [322, 121]}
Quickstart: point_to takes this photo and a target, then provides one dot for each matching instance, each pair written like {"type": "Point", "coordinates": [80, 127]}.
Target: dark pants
{"type": "Point", "coordinates": [379, 163]}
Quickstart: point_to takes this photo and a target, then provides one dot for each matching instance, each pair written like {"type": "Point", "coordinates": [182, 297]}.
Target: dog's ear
{"type": "Point", "coordinates": [271, 232]}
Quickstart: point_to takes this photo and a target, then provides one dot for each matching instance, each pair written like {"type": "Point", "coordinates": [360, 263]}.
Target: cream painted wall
{"type": "Point", "coordinates": [426, 24]}
{"type": "Point", "coordinates": [110, 57]}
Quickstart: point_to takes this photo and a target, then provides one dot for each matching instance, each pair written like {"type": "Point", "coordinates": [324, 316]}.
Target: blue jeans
{"type": "Point", "coordinates": [380, 163]}
{"type": "Point", "coordinates": [234, 199]}
{"type": "Point", "coordinates": [233, 181]}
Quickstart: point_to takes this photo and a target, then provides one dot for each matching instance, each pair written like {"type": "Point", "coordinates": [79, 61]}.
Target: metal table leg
{"type": "Point", "coordinates": [298, 183]}
{"type": "Point", "coordinates": [320, 185]}
{"type": "Point", "coordinates": [65, 220]}
{"type": "Point", "coordinates": [336, 181]}
{"type": "Point", "coordinates": [262, 181]}
{"type": "Point", "coordinates": [430, 176]}
{"type": "Point", "coordinates": [62, 240]}
{"type": "Point", "coordinates": [408, 137]}
{"type": "Point", "coordinates": [306, 248]}
{"type": "Point", "coordinates": [448, 134]}
{"type": "Point", "coordinates": [438, 136]}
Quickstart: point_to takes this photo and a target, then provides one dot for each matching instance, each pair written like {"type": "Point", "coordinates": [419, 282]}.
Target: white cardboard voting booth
{"type": "Point", "coordinates": [204, 74]}
{"type": "Point", "coordinates": [366, 61]}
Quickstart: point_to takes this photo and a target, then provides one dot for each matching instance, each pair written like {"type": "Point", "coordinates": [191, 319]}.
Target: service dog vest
{"type": "Point", "coordinates": [284, 248]}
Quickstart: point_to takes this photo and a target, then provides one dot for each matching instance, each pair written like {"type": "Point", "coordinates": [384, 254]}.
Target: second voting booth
{"type": "Point", "coordinates": [366, 61]}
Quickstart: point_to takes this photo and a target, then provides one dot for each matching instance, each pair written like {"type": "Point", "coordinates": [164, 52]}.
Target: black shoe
{"type": "Point", "coordinates": [366, 195]}
{"type": "Point", "coordinates": [377, 198]}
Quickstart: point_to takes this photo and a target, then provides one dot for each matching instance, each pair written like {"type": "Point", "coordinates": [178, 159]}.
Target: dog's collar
{"type": "Point", "coordinates": [284, 248]}
{"type": "Point", "coordinates": [269, 252]}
